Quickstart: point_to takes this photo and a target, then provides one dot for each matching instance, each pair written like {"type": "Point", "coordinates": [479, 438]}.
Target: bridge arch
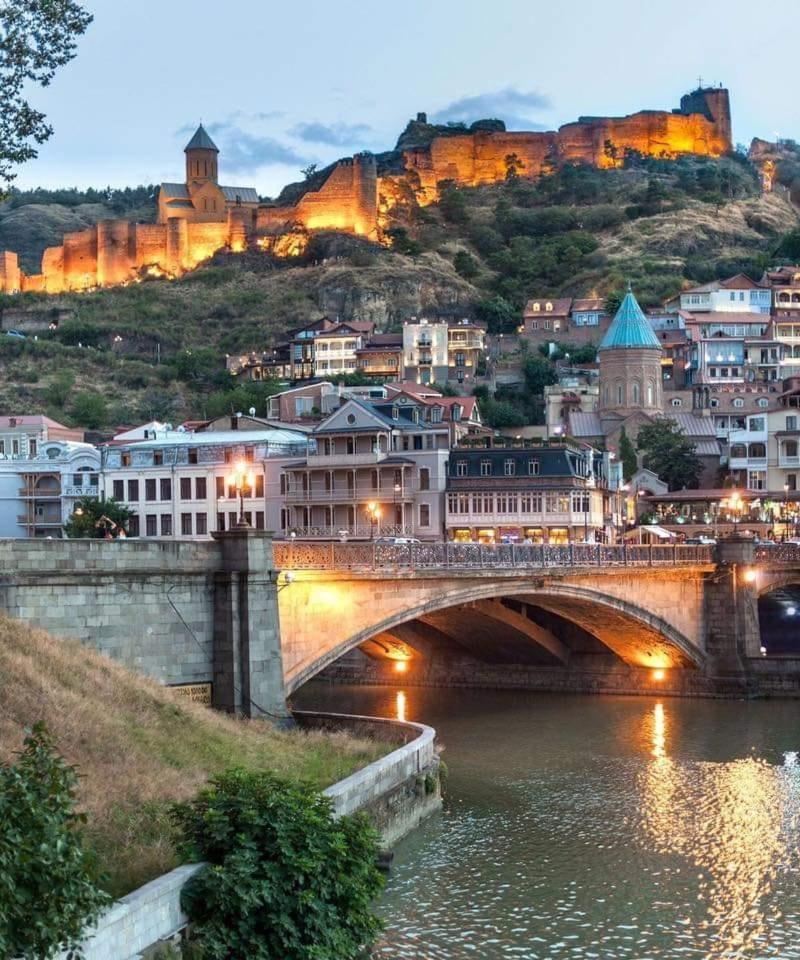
{"type": "Point", "coordinates": [638, 635]}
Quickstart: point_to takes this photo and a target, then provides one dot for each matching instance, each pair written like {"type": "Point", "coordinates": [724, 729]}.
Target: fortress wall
{"type": "Point", "coordinates": [10, 276]}
{"type": "Point", "coordinates": [80, 259]}
{"type": "Point", "coordinates": [150, 245]}
{"type": "Point", "coordinates": [348, 200]}
{"type": "Point", "coordinates": [203, 241]}
{"type": "Point", "coordinates": [177, 245]}
{"type": "Point", "coordinates": [53, 270]}
{"type": "Point", "coordinates": [115, 252]}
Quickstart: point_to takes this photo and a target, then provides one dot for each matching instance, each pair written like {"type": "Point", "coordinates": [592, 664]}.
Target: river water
{"type": "Point", "coordinates": [596, 827]}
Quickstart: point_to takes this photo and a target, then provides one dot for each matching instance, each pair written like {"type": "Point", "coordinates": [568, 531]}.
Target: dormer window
{"type": "Point", "coordinates": [457, 411]}
{"type": "Point", "coordinates": [395, 413]}
{"type": "Point", "coordinates": [537, 307]}
{"type": "Point", "coordinates": [548, 307]}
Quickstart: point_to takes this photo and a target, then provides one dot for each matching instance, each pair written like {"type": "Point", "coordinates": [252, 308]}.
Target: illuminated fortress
{"type": "Point", "coordinates": [198, 217]}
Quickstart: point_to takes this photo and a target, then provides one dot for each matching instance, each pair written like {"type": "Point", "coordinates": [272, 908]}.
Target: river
{"type": "Point", "coordinates": [596, 827]}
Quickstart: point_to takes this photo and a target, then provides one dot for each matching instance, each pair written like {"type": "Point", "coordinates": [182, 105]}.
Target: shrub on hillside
{"type": "Point", "coordinates": [48, 883]}
{"type": "Point", "coordinates": [285, 881]}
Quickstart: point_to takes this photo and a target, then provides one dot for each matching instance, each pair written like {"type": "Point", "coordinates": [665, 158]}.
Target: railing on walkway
{"type": "Point", "coordinates": [778, 553]}
{"type": "Point", "coordinates": [420, 556]}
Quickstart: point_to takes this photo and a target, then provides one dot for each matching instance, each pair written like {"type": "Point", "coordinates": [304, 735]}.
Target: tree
{"type": "Point", "coordinates": [538, 373]}
{"type": "Point", "coordinates": [498, 315]}
{"type": "Point", "coordinates": [513, 166]}
{"type": "Point", "coordinates": [669, 453]}
{"type": "Point", "coordinates": [466, 265]}
{"type": "Point", "coordinates": [90, 410]}
{"type": "Point", "coordinates": [58, 391]}
{"type": "Point", "coordinates": [98, 519]}
{"type": "Point", "coordinates": [452, 202]}
{"type": "Point", "coordinates": [36, 38]}
{"type": "Point", "coordinates": [285, 880]}
{"type": "Point", "coordinates": [627, 456]}
{"type": "Point", "coordinates": [48, 879]}
{"type": "Point", "coordinates": [309, 171]}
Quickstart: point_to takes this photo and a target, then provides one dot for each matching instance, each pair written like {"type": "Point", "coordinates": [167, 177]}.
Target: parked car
{"type": "Point", "coordinates": [700, 541]}
{"type": "Point", "coordinates": [16, 334]}
{"type": "Point", "coordinates": [396, 541]}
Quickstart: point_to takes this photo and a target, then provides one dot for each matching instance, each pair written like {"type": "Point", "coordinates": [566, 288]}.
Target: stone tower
{"type": "Point", "coordinates": [630, 363]}
{"type": "Point", "coordinates": [201, 158]}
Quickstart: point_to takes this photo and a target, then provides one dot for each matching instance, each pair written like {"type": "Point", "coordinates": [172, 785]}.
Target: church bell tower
{"type": "Point", "coordinates": [201, 158]}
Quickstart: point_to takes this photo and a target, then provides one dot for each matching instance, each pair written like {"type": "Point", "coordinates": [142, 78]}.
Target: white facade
{"type": "Point", "coordinates": [744, 299]}
{"type": "Point", "coordinates": [425, 351]}
{"type": "Point", "coordinates": [38, 493]}
{"type": "Point", "coordinates": [180, 485]}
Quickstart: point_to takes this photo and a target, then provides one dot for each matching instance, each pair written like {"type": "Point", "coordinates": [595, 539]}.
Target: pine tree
{"type": "Point", "coordinates": [627, 456]}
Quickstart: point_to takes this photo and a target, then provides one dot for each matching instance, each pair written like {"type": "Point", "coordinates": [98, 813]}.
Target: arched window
{"type": "Point", "coordinates": [676, 402]}
{"type": "Point", "coordinates": [548, 306]}
{"type": "Point", "coordinates": [637, 392]}
{"type": "Point", "coordinates": [757, 450]}
{"type": "Point", "coordinates": [796, 298]}
{"type": "Point", "coordinates": [619, 392]}
{"type": "Point", "coordinates": [537, 307]}
{"type": "Point", "coordinates": [651, 392]}
{"type": "Point", "coordinates": [763, 402]}
{"type": "Point", "coordinates": [738, 451]}
{"type": "Point", "coordinates": [738, 402]}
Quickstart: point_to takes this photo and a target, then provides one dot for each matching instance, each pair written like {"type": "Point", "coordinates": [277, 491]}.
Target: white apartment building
{"type": "Point", "coordinates": [737, 294]}
{"type": "Point", "coordinates": [425, 350]}
{"type": "Point", "coordinates": [39, 489]}
{"type": "Point", "coordinates": [335, 350]}
{"type": "Point", "coordinates": [180, 483]}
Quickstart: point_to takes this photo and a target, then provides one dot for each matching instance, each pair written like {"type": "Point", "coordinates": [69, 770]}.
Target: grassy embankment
{"type": "Point", "coordinates": [138, 748]}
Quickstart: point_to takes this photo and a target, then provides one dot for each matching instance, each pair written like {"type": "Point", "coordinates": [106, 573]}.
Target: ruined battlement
{"type": "Point", "coordinates": [200, 217]}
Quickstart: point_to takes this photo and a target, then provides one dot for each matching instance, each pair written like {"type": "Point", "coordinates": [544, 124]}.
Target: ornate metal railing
{"type": "Point", "coordinates": [778, 553]}
{"type": "Point", "coordinates": [300, 555]}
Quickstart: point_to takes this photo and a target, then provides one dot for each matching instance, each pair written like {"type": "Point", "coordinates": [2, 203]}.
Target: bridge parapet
{"type": "Point", "coordinates": [293, 555]}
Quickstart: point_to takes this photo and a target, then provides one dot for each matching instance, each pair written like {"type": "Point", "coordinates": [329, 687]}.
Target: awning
{"type": "Point", "coordinates": [652, 528]}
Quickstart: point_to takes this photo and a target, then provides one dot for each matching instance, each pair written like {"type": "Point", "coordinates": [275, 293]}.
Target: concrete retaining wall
{"type": "Point", "coordinates": [396, 790]}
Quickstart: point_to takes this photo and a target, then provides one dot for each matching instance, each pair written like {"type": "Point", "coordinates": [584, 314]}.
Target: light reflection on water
{"type": "Point", "coordinates": [597, 828]}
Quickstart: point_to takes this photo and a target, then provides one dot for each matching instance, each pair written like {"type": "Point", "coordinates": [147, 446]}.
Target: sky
{"type": "Point", "coordinates": [282, 85]}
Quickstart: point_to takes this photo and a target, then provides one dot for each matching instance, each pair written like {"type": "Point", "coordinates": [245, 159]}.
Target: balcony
{"type": "Point", "coordinates": [573, 519]}
{"type": "Point", "coordinates": [80, 491]}
{"type": "Point", "coordinates": [362, 493]}
{"type": "Point", "coordinates": [345, 460]}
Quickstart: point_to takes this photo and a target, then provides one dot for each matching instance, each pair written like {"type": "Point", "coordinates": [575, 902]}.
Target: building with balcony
{"type": "Point", "coordinates": [336, 348]}
{"type": "Point", "coordinates": [372, 469]}
{"type": "Point", "coordinates": [425, 351]}
{"type": "Point", "coordinates": [179, 483]}
{"type": "Point", "coordinates": [381, 356]}
{"type": "Point", "coordinates": [38, 492]}
{"type": "Point", "coordinates": [21, 436]}
{"type": "Point", "coordinates": [522, 491]}
{"type": "Point", "coordinates": [466, 349]}
{"type": "Point", "coordinates": [738, 294]}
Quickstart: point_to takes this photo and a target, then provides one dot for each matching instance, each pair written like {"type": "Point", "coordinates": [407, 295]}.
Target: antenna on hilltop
{"type": "Point", "coordinates": [699, 83]}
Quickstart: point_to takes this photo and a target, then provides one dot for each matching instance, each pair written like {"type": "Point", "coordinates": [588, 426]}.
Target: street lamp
{"type": "Point", "coordinates": [785, 508]}
{"type": "Point", "coordinates": [241, 479]}
{"type": "Point", "coordinates": [374, 511]}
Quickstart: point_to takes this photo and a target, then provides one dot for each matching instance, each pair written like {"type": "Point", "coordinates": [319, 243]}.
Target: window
{"type": "Point", "coordinates": [32, 447]}
{"type": "Point", "coordinates": [676, 402]}
{"type": "Point", "coordinates": [219, 483]}
{"type": "Point", "coordinates": [133, 526]}
{"type": "Point", "coordinates": [125, 459]}
{"type": "Point", "coordinates": [133, 491]}
{"type": "Point", "coordinates": [220, 522]}
{"type": "Point", "coordinates": [192, 455]}
{"type": "Point", "coordinates": [424, 478]}
{"type": "Point", "coordinates": [151, 525]}
{"type": "Point", "coordinates": [580, 501]}
{"type": "Point", "coordinates": [186, 524]}
{"type": "Point", "coordinates": [461, 359]}
{"type": "Point", "coordinates": [200, 488]}
{"type": "Point", "coordinates": [259, 519]}
{"type": "Point", "coordinates": [531, 502]}
{"type": "Point", "coordinates": [486, 468]}
{"type": "Point", "coordinates": [166, 488]}
{"type": "Point", "coordinates": [201, 523]}
{"type": "Point", "coordinates": [738, 402]}
{"type": "Point", "coordinates": [15, 447]}
{"type": "Point", "coordinates": [791, 423]}
{"type": "Point", "coordinates": [533, 467]}
{"type": "Point", "coordinates": [619, 394]}
{"type": "Point", "coordinates": [757, 479]}
{"type": "Point", "coordinates": [424, 515]}
{"type": "Point", "coordinates": [756, 424]}
{"type": "Point", "coordinates": [509, 467]}
{"type": "Point", "coordinates": [249, 455]}
{"type": "Point", "coordinates": [637, 392]}
{"type": "Point", "coordinates": [119, 490]}
{"type": "Point", "coordinates": [150, 490]}
{"type": "Point", "coordinates": [650, 393]}
{"type": "Point", "coordinates": [763, 402]}
{"type": "Point", "coordinates": [166, 524]}
{"type": "Point", "coordinates": [557, 502]}
{"type": "Point", "coordinates": [186, 488]}
{"type": "Point", "coordinates": [158, 458]}
{"type": "Point", "coordinates": [461, 468]}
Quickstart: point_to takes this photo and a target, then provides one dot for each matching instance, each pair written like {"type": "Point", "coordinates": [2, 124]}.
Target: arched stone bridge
{"type": "Point", "coordinates": [477, 612]}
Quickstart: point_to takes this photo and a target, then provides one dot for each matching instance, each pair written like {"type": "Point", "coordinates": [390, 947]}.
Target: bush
{"type": "Point", "coordinates": [48, 883]}
{"type": "Point", "coordinates": [90, 410]}
{"type": "Point", "coordinates": [285, 880]}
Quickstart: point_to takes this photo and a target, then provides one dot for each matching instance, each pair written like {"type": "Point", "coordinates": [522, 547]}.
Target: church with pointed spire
{"type": "Point", "coordinates": [201, 199]}
{"type": "Point", "coordinates": [631, 391]}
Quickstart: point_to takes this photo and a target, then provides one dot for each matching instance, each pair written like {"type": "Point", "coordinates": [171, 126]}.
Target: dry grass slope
{"type": "Point", "coordinates": [138, 748]}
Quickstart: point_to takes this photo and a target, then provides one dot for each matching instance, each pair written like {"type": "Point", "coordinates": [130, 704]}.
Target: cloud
{"type": "Point", "coordinates": [512, 106]}
{"type": "Point", "coordinates": [332, 134]}
{"type": "Point", "coordinates": [244, 152]}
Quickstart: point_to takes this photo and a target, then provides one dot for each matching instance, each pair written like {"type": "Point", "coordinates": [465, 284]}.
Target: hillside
{"type": "Point", "coordinates": [138, 748]}
{"type": "Point", "coordinates": [157, 348]}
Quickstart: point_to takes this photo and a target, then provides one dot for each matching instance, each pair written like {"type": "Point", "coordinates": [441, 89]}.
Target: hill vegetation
{"type": "Point", "coordinates": [157, 349]}
{"type": "Point", "coordinates": [138, 748]}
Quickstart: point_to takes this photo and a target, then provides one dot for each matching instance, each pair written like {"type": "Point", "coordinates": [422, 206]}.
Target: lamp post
{"type": "Point", "coordinates": [374, 511]}
{"type": "Point", "coordinates": [241, 479]}
{"type": "Point", "coordinates": [785, 509]}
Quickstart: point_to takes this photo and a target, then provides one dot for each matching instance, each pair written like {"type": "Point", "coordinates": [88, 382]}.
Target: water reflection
{"type": "Point", "coordinates": [610, 828]}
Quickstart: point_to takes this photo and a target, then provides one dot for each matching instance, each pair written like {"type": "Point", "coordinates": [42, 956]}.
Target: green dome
{"type": "Point", "coordinates": [630, 328]}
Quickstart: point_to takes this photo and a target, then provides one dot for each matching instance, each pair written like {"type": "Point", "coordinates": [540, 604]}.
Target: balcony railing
{"type": "Point", "coordinates": [290, 555]}
{"type": "Point", "coordinates": [358, 494]}
{"type": "Point", "coordinates": [345, 460]}
{"type": "Point", "coordinates": [358, 531]}
{"type": "Point", "coordinates": [79, 491]}
{"type": "Point", "coordinates": [574, 519]}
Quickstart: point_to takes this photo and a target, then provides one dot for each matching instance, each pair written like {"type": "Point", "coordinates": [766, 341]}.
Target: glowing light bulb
{"type": "Point", "coordinates": [658, 675]}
